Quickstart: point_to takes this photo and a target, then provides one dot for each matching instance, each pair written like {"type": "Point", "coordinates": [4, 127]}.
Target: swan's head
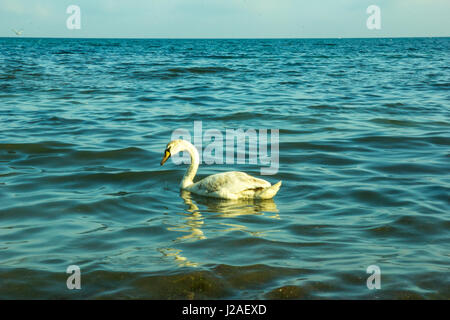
{"type": "Point", "coordinates": [173, 147]}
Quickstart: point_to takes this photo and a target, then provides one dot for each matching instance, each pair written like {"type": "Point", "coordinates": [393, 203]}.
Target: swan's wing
{"type": "Point", "coordinates": [228, 182]}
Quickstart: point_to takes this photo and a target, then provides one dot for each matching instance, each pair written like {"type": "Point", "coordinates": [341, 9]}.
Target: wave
{"type": "Point", "coordinates": [36, 148]}
{"type": "Point", "coordinates": [200, 70]}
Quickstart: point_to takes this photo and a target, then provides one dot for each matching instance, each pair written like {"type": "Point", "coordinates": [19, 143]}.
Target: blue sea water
{"type": "Point", "coordinates": [364, 137]}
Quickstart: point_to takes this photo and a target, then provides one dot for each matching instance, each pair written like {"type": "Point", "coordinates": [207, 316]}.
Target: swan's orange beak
{"type": "Point", "coordinates": [166, 156]}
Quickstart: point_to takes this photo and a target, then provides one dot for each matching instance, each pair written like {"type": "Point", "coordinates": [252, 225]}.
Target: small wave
{"type": "Point", "coordinates": [407, 169]}
{"type": "Point", "coordinates": [325, 44]}
{"type": "Point", "coordinates": [296, 64]}
{"type": "Point", "coordinates": [147, 99]}
{"type": "Point", "coordinates": [119, 194]}
{"type": "Point", "coordinates": [323, 107]}
{"type": "Point", "coordinates": [241, 116]}
{"type": "Point", "coordinates": [331, 146]}
{"type": "Point", "coordinates": [90, 91]}
{"type": "Point", "coordinates": [200, 70]}
{"type": "Point", "coordinates": [197, 99]}
{"type": "Point", "coordinates": [64, 52]}
{"type": "Point", "coordinates": [394, 104]}
{"type": "Point", "coordinates": [313, 230]}
{"type": "Point", "coordinates": [318, 56]}
{"type": "Point", "coordinates": [36, 148]}
{"type": "Point", "coordinates": [395, 122]}
{"type": "Point", "coordinates": [219, 57]}
{"type": "Point", "coordinates": [7, 76]}
{"type": "Point", "coordinates": [386, 142]}
{"type": "Point", "coordinates": [337, 75]}
{"type": "Point", "coordinates": [125, 153]}
{"type": "Point", "coordinates": [375, 198]}
{"type": "Point", "coordinates": [441, 85]}
{"type": "Point", "coordinates": [289, 82]}
{"type": "Point", "coordinates": [56, 119]}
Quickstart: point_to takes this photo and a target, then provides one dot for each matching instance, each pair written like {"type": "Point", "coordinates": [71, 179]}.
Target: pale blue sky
{"type": "Point", "coordinates": [225, 18]}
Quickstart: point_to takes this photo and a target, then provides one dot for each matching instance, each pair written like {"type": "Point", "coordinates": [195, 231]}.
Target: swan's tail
{"type": "Point", "coordinates": [270, 192]}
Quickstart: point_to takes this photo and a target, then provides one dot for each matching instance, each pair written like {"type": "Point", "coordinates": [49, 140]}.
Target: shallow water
{"type": "Point", "coordinates": [364, 136]}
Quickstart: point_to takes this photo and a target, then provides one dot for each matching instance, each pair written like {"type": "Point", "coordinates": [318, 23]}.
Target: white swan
{"type": "Point", "coordinates": [226, 185]}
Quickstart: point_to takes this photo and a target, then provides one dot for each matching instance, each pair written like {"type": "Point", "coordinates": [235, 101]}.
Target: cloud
{"type": "Point", "coordinates": [41, 9]}
{"type": "Point", "coordinates": [12, 6]}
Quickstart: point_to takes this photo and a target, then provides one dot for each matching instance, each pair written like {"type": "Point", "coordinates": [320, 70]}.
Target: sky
{"type": "Point", "coordinates": [225, 18]}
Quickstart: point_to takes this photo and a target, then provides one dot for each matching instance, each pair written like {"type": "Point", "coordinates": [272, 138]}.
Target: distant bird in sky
{"type": "Point", "coordinates": [18, 33]}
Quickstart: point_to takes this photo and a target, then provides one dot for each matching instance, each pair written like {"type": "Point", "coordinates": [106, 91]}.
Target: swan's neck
{"type": "Point", "coordinates": [188, 178]}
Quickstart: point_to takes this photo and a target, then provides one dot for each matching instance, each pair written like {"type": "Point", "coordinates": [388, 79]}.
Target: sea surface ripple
{"type": "Point", "coordinates": [364, 139]}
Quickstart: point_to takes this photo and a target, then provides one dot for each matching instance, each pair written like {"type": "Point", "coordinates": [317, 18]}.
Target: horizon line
{"type": "Point", "coordinates": [220, 38]}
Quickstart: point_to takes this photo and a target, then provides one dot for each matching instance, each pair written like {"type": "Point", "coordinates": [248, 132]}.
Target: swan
{"type": "Point", "coordinates": [227, 185]}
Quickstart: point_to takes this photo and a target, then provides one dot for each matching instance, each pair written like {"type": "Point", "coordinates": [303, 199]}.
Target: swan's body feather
{"type": "Point", "coordinates": [226, 185]}
{"type": "Point", "coordinates": [229, 185]}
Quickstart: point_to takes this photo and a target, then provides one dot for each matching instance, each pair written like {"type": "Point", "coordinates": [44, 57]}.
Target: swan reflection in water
{"type": "Point", "coordinates": [193, 220]}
